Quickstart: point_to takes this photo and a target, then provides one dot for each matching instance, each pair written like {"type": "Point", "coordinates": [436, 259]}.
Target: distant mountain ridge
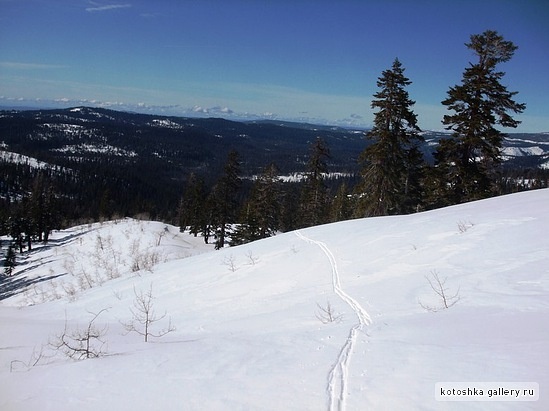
{"type": "Point", "coordinates": [195, 143]}
{"type": "Point", "coordinates": [122, 162]}
{"type": "Point", "coordinates": [189, 143]}
{"type": "Point", "coordinates": [106, 159]}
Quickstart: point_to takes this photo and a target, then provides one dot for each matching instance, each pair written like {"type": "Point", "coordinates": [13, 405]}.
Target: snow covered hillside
{"type": "Point", "coordinates": [340, 317]}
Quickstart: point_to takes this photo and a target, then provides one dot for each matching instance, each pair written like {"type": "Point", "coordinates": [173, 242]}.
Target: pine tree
{"type": "Point", "coordinates": [225, 199]}
{"type": "Point", "coordinates": [50, 213]}
{"type": "Point", "coordinates": [16, 227]}
{"type": "Point", "coordinates": [192, 205]}
{"type": "Point", "coordinates": [393, 162]}
{"type": "Point", "coordinates": [342, 205]}
{"type": "Point", "coordinates": [289, 218]}
{"type": "Point", "coordinates": [9, 262]}
{"type": "Point", "coordinates": [210, 219]}
{"type": "Point", "coordinates": [314, 197]}
{"type": "Point", "coordinates": [262, 212]}
{"type": "Point", "coordinates": [41, 209]}
{"type": "Point", "coordinates": [468, 162]}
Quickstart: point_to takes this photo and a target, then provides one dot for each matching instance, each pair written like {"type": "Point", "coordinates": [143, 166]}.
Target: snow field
{"type": "Point", "coordinates": [247, 335]}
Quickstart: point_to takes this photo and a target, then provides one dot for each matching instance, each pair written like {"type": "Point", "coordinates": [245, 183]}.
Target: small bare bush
{"type": "Point", "coordinates": [70, 291]}
{"type": "Point", "coordinates": [161, 234]}
{"type": "Point", "coordinates": [85, 279]}
{"type": "Point", "coordinates": [251, 257]}
{"type": "Point", "coordinates": [230, 262]}
{"type": "Point", "coordinates": [446, 299]}
{"type": "Point", "coordinates": [328, 314]}
{"type": "Point", "coordinates": [143, 259]}
{"type": "Point", "coordinates": [144, 317]}
{"type": "Point", "coordinates": [463, 226]}
{"type": "Point", "coordinates": [105, 258]}
{"type": "Point", "coordinates": [84, 343]}
{"type": "Point", "coordinates": [35, 358]}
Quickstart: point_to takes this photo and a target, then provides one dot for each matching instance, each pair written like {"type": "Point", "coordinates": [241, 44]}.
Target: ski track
{"type": "Point", "coordinates": [339, 373]}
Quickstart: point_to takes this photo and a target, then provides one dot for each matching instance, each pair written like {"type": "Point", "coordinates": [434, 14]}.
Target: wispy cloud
{"type": "Point", "coordinates": [29, 66]}
{"type": "Point", "coordinates": [212, 110]}
{"type": "Point", "coordinates": [106, 7]}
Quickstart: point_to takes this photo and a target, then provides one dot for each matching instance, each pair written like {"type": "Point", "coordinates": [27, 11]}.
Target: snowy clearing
{"type": "Point", "coordinates": [247, 331]}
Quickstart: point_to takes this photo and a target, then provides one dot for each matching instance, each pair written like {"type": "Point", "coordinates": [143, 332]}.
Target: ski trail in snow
{"type": "Point", "coordinates": [339, 373]}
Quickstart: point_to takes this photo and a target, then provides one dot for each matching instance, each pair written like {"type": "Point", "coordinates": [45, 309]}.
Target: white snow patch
{"type": "Point", "coordinates": [165, 123]}
{"type": "Point", "coordinates": [32, 162]}
{"type": "Point", "coordinates": [96, 148]}
{"type": "Point", "coordinates": [299, 176]}
{"type": "Point", "coordinates": [247, 336]}
{"type": "Point", "coordinates": [523, 151]}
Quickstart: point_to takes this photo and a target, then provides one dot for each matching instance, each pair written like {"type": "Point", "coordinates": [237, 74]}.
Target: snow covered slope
{"type": "Point", "coordinates": [252, 328]}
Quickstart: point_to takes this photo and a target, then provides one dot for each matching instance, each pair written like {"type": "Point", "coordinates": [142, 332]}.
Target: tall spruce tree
{"type": "Point", "coordinates": [392, 163]}
{"type": "Point", "coordinates": [225, 199]}
{"type": "Point", "coordinates": [289, 219]}
{"type": "Point", "coordinates": [468, 162]}
{"type": "Point", "coordinates": [192, 206]}
{"type": "Point", "coordinates": [314, 196]}
{"type": "Point", "coordinates": [17, 225]}
{"type": "Point", "coordinates": [342, 205]}
{"type": "Point", "coordinates": [41, 209]}
{"type": "Point", "coordinates": [261, 215]}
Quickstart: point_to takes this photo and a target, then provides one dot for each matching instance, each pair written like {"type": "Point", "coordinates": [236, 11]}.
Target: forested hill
{"type": "Point", "coordinates": [186, 144]}
{"type": "Point", "coordinates": [103, 161]}
{"type": "Point", "coordinates": [106, 161]}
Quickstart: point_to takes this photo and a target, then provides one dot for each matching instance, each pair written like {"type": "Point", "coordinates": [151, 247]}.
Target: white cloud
{"type": "Point", "coordinates": [29, 66]}
{"type": "Point", "coordinates": [106, 7]}
{"type": "Point", "coordinates": [212, 110]}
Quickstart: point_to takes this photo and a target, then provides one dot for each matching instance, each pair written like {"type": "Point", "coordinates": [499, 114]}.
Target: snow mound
{"type": "Point", "coordinates": [252, 325]}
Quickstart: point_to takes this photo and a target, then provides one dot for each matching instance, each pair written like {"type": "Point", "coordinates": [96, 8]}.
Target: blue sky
{"type": "Point", "coordinates": [316, 61]}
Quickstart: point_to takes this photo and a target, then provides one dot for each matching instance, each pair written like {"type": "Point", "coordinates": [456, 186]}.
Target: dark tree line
{"type": "Point", "coordinates": [33, 218]}
{"type": "Point", "coordinates": [30, 220]}
{"type": "Point", "coordinates": [230, 216]}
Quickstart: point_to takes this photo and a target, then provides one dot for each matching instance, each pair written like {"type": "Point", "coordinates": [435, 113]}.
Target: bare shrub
{"type": "Point", "coordinates": [230, 262]}
{"type": "Point", "coordinates": [463, 226]}
{"type": "Point", "coordinates": [327, 314]}
{"type": "Point", "coordinates": [144, 316]}
{"type": "Point", "coordinates": [70, 291]}
{"type": "Point", "coordinates": [84, 343]}
{"type": "Point", "coordinates": [35, 358]}
{"type": "Point", "coordinates": [251, 257]}
{"type": "Point", "coordinates": [54, 291]}
{"type": "Point", "coordinates": [143, 259]}
{"type": "Point", "coordinates": [134, 252]}
{"type": "Point", "coordinates": [69, 263]}
{"type": "Point", "coordinates": [85, 279]}
{"type": "Point", "coordinates": [160, 235]}
{"type": "Point", "coordinates": [446, 299]}
{"type": "Point", "coordinates": [106, 258]}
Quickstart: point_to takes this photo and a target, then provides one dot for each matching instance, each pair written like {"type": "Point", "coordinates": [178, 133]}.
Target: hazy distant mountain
{"type": "Point", "coordinates": [197, 143]}
{"type": "Point", "coordinates": [188, 144]}
{"type": "Point", "coordinates": [142, 161]}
